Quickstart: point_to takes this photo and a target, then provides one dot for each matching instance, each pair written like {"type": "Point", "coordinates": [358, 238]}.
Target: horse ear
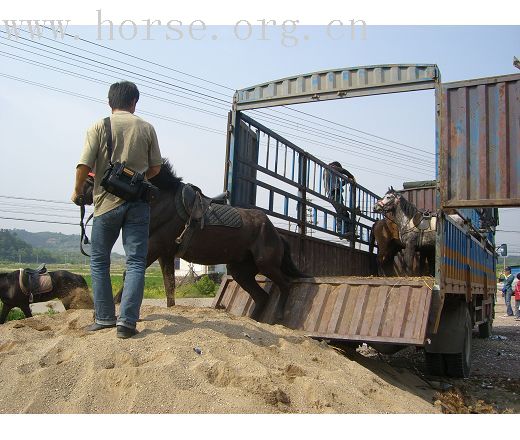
{"type": "Point", "coordinates": [392, 189]}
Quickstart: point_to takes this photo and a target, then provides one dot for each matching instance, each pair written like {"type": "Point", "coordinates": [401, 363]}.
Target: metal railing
{"type": "Point", "coordinates": [273, 174]}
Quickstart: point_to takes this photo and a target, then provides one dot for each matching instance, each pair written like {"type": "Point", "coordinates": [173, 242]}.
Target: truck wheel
{"type": "Point", "coordinates": [435, 363]}
{"type": "Point", "coordinates": [485, 330]}
{"type": "Point", "coordinates": [459, 364]}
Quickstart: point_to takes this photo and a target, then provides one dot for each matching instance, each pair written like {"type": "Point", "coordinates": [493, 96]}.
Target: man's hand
{"type": "Point", "coordinates": [76, 198]}
{"type": "Point", "coordinates": [81, 175]}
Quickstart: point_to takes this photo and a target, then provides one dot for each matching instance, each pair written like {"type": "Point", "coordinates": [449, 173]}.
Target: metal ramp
{"type": "Point", "coordinates": [382, 310]}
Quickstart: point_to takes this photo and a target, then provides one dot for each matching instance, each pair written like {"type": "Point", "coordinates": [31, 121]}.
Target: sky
{"type": "Point", "coordinates": [43, 129]}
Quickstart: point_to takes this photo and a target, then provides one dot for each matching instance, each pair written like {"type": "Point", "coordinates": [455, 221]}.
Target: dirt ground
{"type": "Point", "coordinates": [192, 359]}
{"type": "Point", "coordinates": [494, 385]}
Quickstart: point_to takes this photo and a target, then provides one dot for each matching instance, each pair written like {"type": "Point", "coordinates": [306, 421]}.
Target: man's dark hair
{"type": "Point", "coordinates": [121, 95]}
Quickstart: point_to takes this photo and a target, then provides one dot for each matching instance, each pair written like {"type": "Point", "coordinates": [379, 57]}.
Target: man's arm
{"type": "Point", "coordinates": [81, 175]}
{"type": "Point", "coordinates": [153, 171]}
{"type": "Point", "coordinates": [348, 174]}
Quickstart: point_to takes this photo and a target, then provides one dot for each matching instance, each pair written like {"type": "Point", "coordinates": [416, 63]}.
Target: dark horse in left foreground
{"type": "Point", "coordinates": [71, 289]}
{"type": "Point", "coordinates": [254, 247]}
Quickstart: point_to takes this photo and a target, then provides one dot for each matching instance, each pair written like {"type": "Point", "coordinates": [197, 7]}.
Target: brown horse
{"type": "Point", "coordinates": [68, 287]}
{"type": "Point", "coordinates": [386, 234]}
{"type": "Point", "coordinates": [254, 248]}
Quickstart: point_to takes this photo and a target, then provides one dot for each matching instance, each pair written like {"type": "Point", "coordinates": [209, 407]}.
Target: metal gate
{"type": "Point", "coordinates": [480, 142]}
{"type": "Point", "coordinates": [270, 173]}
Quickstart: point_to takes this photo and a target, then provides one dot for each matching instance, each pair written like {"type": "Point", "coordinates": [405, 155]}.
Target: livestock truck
{"type": "Point", "coordinates": [477, 129]}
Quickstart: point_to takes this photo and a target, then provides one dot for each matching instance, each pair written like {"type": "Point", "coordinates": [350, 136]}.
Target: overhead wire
{"type": "Point", "coordinates": [135, 57]}
{"type": "Point", "coordinates": [145, 82]}
{"type": "Point", "coordinates": [308, 130]}
{"type": "Point", "coordinates": [386, 161]}
{"type": "Point", "coordinates": [208, 89]}
{"type": "Point", "coordinates": [89, 98]}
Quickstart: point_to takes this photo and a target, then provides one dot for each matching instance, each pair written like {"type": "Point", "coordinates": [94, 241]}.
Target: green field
{"type": "Point", "coordinates": [153, 286]}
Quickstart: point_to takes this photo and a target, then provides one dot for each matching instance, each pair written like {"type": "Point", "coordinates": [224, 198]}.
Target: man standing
{"type": "Point", "coordinates": [133, 141]}
{"type": "Point", "coordinates": [508, 290]}
{"type": "Point", "coordinates": [334, 185]}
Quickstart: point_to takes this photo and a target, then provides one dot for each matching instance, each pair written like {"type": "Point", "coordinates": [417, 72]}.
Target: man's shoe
{"type": "Point", "coordinates": [125, 332]}
{"type": "Point", "coordinates": [95, 327]}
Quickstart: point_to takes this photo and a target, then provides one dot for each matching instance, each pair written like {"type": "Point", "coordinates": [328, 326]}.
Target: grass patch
{"type": "Point", "coordinates": [14, 315]}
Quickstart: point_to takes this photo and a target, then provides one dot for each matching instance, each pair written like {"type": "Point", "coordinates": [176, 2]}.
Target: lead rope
{"type": "Point", "coordinates": [83, 239]}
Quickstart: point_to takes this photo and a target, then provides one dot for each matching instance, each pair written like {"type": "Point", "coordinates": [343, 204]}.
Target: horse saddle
{"type": "Point", "coordinates": [423, 220]}
{"type": "Point", "coordinates": [192, 205]}
{"type": "Point", "coordinates": [196, 203]}
{"type": "Point", "coordinates": [35, 281]}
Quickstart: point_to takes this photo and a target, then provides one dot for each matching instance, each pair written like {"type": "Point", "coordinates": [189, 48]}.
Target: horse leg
{"type": "Point", "coordinates": [26, 310]}
{"type": "Point", "coordinates": [409, 255]}
{"type": "Point", "coordinates": [6, 308]}
{"type": "Point", "coordinates": [277, 277]}
{"type": "Point", "coordinates": [244, 274]}
{"type": "Point", "coordinates": [168, 271]}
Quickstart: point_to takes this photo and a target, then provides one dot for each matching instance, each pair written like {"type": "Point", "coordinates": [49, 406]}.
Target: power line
{"type": "Point", "coordinates": [89, 98]}
{"type": "Point", "coordinates": [365, 145]}
{"type": "Point", "coordinates": [224, 86]}
{"type": "Point", "coordinates": [79, 56]}
{"type": "Point", "coordinates": [198, 126]}
{"type": "Point", "coordinates": [38, 214]}
{"type": "Point", "coordinates": [104, 73]}
{"type": "Point", "coordinates": [360, 131]}
{"type": "Point", "coordinates": [40, 221]}
{"type": "Point", "coordinates": [34, 199]}
{"type": "Point", "coordinates": [142, 59]}
{"type": "Point", "coordinates": [130, 72]}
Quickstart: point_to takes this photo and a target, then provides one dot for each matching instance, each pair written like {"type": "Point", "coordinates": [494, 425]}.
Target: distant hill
{"type": "Point", "coordinates": [49, 240]}
{"type": "Point", "coordinates": [50, 247]}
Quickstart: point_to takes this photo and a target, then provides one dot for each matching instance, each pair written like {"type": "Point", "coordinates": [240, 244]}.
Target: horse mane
{"type": "Point", "coordinates": [408, 208]}
{"type": "Point", "coordinates": [166, 179]}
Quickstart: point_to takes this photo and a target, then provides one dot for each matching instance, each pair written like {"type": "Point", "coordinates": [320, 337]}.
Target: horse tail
{"type": "Point", "coordinates": [288, 267]}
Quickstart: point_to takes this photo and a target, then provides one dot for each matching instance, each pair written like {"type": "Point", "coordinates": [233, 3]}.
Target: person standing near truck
{"type": "Point", "coordinates": [334, 185]}
{"type": "Point", "coordinates": [516, 292]}
{"type": "Point", "coordinates": [508, 290]}
{"type": "Point", "coordinates": [135, 145]}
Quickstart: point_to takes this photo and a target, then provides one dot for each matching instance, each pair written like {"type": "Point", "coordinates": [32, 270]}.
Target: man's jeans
{"type": "Point", "coordinates": [133, 218]}
{"type": "Point", "coordinates": [507, 298]}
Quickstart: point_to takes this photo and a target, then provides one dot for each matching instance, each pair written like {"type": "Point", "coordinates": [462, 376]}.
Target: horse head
{"type": "Point", "coordinates": [389, 202]}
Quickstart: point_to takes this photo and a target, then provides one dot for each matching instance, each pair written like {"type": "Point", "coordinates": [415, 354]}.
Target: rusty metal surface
{"type": "Point", "coordinates": [320, 257]}
{"type": "Point", "coordinates": [343, 308]}
{"type": "Point", "coordinates": [480, 142]}
{"type": "Point", "coordinates": [423, 198]}
{"type": "Point", "coordinates": [467, 264]}
{"type": "Point", "coordinates": [337, 84]}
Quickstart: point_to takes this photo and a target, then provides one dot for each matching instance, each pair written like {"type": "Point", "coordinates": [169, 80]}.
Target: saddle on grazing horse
{"type": "Point", "coordinates": [35, 281]}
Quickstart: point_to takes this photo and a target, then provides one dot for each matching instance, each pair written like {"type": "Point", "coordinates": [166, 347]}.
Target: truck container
{"type": "Point", "coordinates": [476, 127]}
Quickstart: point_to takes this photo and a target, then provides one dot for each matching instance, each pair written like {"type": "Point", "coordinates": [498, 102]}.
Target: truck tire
{"type": "Point", "coordinates": [435, 363]}
{"type": "Point", "coordinates": [485, 330]}
{"type": "Point", "coordinates": [459, 364]}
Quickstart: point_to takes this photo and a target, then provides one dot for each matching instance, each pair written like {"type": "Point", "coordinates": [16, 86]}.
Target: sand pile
{"type": "Point", "coordinates": [186, 360]}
